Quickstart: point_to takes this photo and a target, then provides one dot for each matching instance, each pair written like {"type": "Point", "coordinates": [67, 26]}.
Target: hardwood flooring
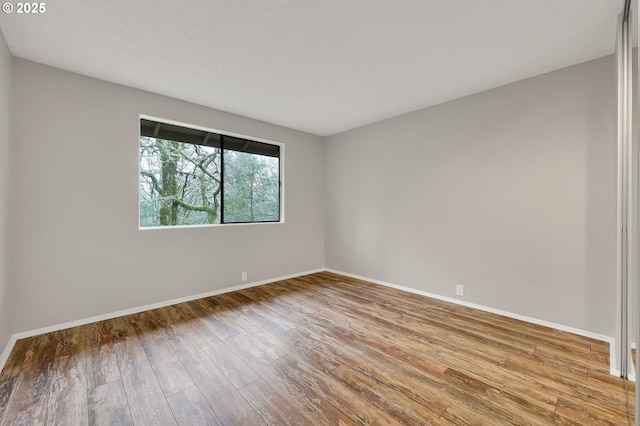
{"type": "Point", "coordinates": [318, 349]}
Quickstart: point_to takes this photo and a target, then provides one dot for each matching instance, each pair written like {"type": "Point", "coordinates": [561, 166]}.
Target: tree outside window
{"type": "Point", "coordinates": [185, 183]}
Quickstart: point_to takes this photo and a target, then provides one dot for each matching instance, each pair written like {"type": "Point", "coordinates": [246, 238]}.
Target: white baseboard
{"type": "Point", "coordinates": [17, 336]}
{"type": "Point", "coordinates": [7, 351]}
{"type": "Point", "coordinates": [596, 336]}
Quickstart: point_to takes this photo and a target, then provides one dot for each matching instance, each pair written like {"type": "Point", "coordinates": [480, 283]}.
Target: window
{"type": "Point", "coordinates": [194, 177]}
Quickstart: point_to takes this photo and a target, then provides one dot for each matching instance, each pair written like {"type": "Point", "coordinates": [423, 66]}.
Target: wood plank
{"type": "Point", "coordinates": [28, 401]}
{"type": "Point", "coordinates": [563, 385]}
{"type": "Point", "coordinates": [271, 298]}
{"type": "Point", "coordinates": [146, 400]}
{"type": "Point", "coordinates": [273, 317]}
{"type": "Point", "coordinates": [388, 372]}
{"type": "Point", "coordinates": [108, 405]}
{"type": "Point", "coordinates": [191, 408]}
{"type": "Point", "coordinates": [212, 317]}
{"type": "Point", "coordinates": [272, 408]}
{"type": "Point", "coordinates": [433, 362]}
{"type": "Point", "coordinates": [67, 400]}
{"type": "Point", "coordinates": [263, 333]}
{"type": "Point", "coordinates": [6, 387]}
{"type": "Point", "coordinates": [583, 413]}
{"type": "Point", "coordinates": [385, 296]}
{"type": "Point", "coordinates": [260, 362]}
{"type": "Point", "coordinates": [454, 324]}
{"type": "Point", "coordinates": [303, 398]}
{"type": "Point", "coordinates": [102, 363]}
{"type": "Point", "coordinates": [171, 374]}
{"type": "Point", "coordinates": [334, 391]}
{"type": "Point", "coordinates": [402, 408]}
{"type": "Point", "coordinates": [154, 408]}
{"type": "Point", "coordinates": [318, 349]}
{"type": "Point", "coordinates": [502, 403]}
{"type": "Point", "coordinates": [18, 354]}
{"type": "Point", "coordinates": [230, 407]}
{"type": "Point", "coordinates": [236, 371]}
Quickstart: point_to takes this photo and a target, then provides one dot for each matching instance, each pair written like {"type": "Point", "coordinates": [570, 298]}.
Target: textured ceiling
{"type": "Point", "coordinates": [321, 66]}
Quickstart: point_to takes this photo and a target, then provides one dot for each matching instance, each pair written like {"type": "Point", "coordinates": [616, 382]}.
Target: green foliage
{"type": "Point", "coordinates": [180, 184]}
{"type": "Point", "coordinates": [252, 187]}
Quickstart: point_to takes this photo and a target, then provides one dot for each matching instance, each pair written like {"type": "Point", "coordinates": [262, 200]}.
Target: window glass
{"type": "Point", "coordinates": [194, 177]}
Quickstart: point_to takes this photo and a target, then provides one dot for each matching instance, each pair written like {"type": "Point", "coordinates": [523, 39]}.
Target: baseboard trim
{"type": "Point", "coordinates": [612, 355]}
{"type": "Point", "coordinates": [17, 336]}
{"type": "Point", "coordinates": [7, 351]}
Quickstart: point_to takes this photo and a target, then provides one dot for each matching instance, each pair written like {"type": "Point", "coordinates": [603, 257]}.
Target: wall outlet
{"type": "Point", "coordinates": [244, 276]}
{"type": "Point", "coordinates": [459, 290]}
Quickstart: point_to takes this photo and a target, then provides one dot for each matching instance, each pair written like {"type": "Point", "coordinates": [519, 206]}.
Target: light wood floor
{"type": "Point", "coordinates": [319, 349]}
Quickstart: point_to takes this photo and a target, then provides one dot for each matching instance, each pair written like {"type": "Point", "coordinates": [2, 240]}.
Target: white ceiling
{"type": "Point", "coordinates": [321, 66]}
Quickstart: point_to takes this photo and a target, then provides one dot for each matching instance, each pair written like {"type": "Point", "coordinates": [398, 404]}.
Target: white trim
{"type": "Point", "coordinates": [17, 336]}
{"type": "Point", "coordinates": [612, 370]}
{"type": "Point", "coordinates": [205, 225]}
{"type": "Point", "coordinates": [7, 351]}
{"type": "Point", "coordinates": [282, 164]}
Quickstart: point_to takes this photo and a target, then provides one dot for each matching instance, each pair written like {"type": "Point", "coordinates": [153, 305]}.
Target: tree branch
{"type": "Point", "coordinates": [154, 180]}
{"type": "Point", "coordinates": [200, 164]}
{"type": "Point", "coordinates": [190, 206]}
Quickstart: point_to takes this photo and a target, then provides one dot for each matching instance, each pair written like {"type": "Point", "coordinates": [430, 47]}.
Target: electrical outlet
{"type": "Point", "coordinates": [459, 290]}
{"type": "Point", "coordinates": [244, 276]}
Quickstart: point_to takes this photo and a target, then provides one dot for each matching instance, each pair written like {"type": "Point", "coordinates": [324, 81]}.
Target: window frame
{"type": "Point", "coordinates": [223, 134]}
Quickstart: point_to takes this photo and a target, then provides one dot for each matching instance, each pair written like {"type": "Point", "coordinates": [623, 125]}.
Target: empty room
{"type": "Point", "coordinates": [301, 212]}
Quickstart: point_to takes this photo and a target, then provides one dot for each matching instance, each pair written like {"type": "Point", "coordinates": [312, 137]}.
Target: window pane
{"type": "Point", "coordinates": [251, 187]}
{"type": "Point", "coordinates": [179, 183]}
{"type": "Point", "coordinates": [182, 180]}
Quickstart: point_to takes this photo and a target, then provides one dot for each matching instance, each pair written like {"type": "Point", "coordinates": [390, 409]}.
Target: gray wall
{"type": "Point", "coordinates": [509, 192]}
{"type": "Point", "coordinates": [76, 249]}
{"type": "Point", "coordinates": [5, 137]}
